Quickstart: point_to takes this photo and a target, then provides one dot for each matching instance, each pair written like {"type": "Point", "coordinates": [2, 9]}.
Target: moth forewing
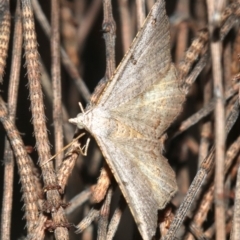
{"type": "Point", "coordinates": [147, 58]}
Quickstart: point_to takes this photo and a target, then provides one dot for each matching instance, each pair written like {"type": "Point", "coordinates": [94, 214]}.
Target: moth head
{"type": "Point", "coordinates": [78, 121]}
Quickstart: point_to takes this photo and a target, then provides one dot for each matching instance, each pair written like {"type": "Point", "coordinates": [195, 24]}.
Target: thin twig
{"type": "Point", "coordinates": [149, 4]}
{"type": "Point", "coordinates": [72, 70]}
{"type": "Point", "coordinates": [206, 128]}
{"type": "Point", "coordinates": [197, 46]}
{"type": "Point", "coordinates": [78, 200]}
{"type": "Point", "coordinates": [215, 8]}
{"type": "Point", "coordinates": [89, 232]}
{"type": "Point", "coordinates": [39, 229]}
{"type": "Point", "coordinates": [205, 170]}
{"type": "Point", "coordinates": [109, 28]}
{"type": "Point", "coordinates": [235, 58]}
{"type": "Point", "coordinates": [203, 112]}
{"type": "Point", "coordinates": [235, 234]}
{"type": "Point", "coordinates": [6, 216]}
{"type": "Point", "coordinates": [104, 216]}
{"type": "Point", "coordinates": [47, 89]}
{"type": "Point", "coordinates": [227, 59]}
{"type": "Point", "coordinates": [196, 71]}
{"type": "Point", "coordinates": [103, 183]}
{"type": "Point", "coordinates": [183, 30]}
{"type": "Point", "coordinates": [207, 200]}
{"type": "Point", "coordinates": [5, 22]}
{"type": "Point", "coordinates": [91, 216]}
{"type": "Point", "coordinates": [69, 29]}
{"type": "Point", "coordinates": [197, 232]}
{"type": "Point", "coordinates": [56, 81]}
{"type": "Point", "coordinates": [12, 105]}
{"type": "Point", "coordinates": [126, 30]}
{"type": "Point", "coordinates": [216, 53]}
{"type": "Point", "coordinates": [39, 124]}
{"type": "Point", "coordinates": [27, 177]}
{"type": "Point", "coordinates": [67, 165]}
{"type": "Point", "coordinates": [87, 22]}
{"type": "Point", "coordinates": [141, 12]}
{"type": "Point", "coordinates": [113, 225]}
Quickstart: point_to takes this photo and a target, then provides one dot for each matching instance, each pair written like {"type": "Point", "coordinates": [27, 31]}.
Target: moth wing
{"type": "Point", "coordinates": [143, 175]}
{"type": "Point", "coordinates": [151, 112]}
{"type": "Point", "coordinates": [146, 61]}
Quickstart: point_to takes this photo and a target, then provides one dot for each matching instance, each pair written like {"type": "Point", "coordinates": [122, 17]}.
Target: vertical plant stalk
{"type": "Point", "coordinates": [5, 21]}
{"type": "Point", "coordinates": [183, 30]}
{"type": "Point", "coordinates": [126, 28]}
{"type": "Point", "coordinates": [150, 4]}
{"type": "Point", "coordinates": [216, 53]}
{"type": "Point", "coordinates": [141, 12]}
{"type": "Point", "coordinates": [27, 178]}
{"type": "Point", "coordinates": [12, 104]}
{"type": "Point", "coordinates": [56, 82]}
{"type": "Point", "coordinates": [235, 234]}
{"type": "Point", "coordinates": [5, 233]}
{"type": "Point", "coordinates": [39, 229]}
{"type": "Point", "coordinates": [38, 116]}
{"type": "Point", "coordinates": [109, 28]}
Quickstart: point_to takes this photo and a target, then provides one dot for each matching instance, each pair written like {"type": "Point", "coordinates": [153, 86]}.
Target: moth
{"type": "Point", "coordinates": [138, 104]}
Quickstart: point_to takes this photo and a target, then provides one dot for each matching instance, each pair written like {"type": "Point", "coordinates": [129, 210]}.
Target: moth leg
{"type": "Point", "coordinates": [84, 149]}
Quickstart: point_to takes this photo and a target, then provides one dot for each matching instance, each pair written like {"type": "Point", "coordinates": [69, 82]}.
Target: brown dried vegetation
{"type": "Point", "coordinates": [202, 144]}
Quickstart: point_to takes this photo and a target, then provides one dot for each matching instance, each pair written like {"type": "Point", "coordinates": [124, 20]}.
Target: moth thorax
{"type": "Point", "coordinates": [81, 120]}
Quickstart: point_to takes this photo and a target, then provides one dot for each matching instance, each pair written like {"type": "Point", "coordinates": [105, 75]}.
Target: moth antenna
{"type": "Point", "coordinates": [67, 146]}
{"type": "Point", "coordinates": [81, 107]}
